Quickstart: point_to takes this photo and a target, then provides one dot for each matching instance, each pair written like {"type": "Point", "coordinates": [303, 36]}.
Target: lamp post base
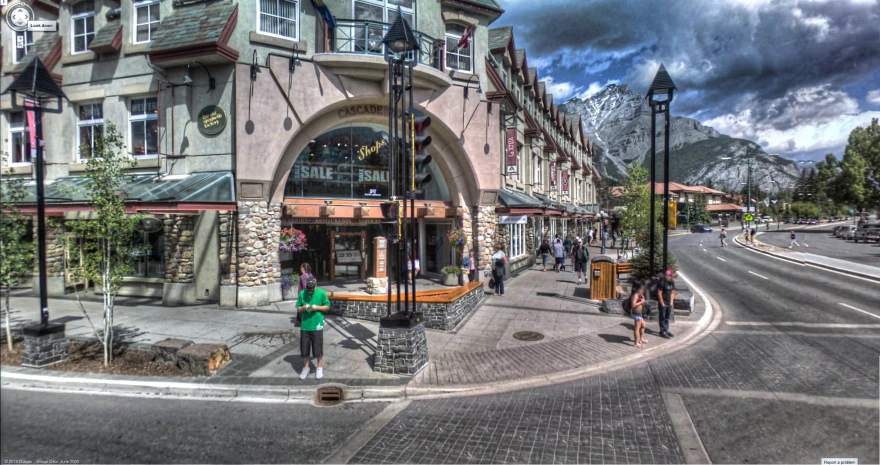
{"type": "Point", "coordinates": [402, 345]}
{"type": "Point", "coordinates": [44, 345]}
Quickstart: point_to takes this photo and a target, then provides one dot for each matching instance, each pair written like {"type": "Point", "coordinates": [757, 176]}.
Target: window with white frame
{"type": "Point", "coordinates": [144, 127]}
{"type": "Point", "coordinates": [564, 229]}
{"type": "Point", "coordinates": [369, 37]}
{"type": "Point", "coordinates": [552, 229]}
{"type": "Point", "coordinates": [517, 240]}
{"type": "Point", "coordinates": [146, 19]}
{"type": "Point", "coordinates": [19, 147]}
{"type": "Point", "coordinates": [90, 128]}
{"type": "Point", "coordinates": [460, 58]}
{"type": "Point", "coordinates": [83, 17]}
{"type": "Point", "coordinates": [536, 163]}
{"type": "Point", "coordinates": [278, 18]}
{"type": "Point", "coordinates": [23, 42]}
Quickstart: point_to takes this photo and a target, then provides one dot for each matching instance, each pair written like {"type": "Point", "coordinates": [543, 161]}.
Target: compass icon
{"type": "Point", "coordinates": [18, 16]}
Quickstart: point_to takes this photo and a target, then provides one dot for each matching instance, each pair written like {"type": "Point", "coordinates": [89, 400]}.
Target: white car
{"type": "Point", "coordinates": [847, 233]}
{"type": "Point", "coordinates": [867, 232]}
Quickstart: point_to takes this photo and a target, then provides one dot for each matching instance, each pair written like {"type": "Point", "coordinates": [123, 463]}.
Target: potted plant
{"type": "Point", "coordinates": [290, 286]}
{"type": "Point", "coordinates": [292, 240]}
{"type": "Point", "coordinates": [450, 275]}
{"type": "Point", "coordinates": [457, 237]}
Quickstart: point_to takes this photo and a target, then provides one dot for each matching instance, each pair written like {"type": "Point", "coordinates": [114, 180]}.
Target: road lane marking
{"type": "Point", "coordinates": [859, 310]}
{"type": "Point", "coordinates": [805, 325]}
{"type": "Point", "coordinates": [704, 250]}
{"type": "Point", "coordinates": [719, 258]}
{"type": "Point", "coordinates": [854, 402]}
{"type": "Point", "coordinates": [756, 274]}
{"type": "Point", "coordinates": [777, 333]}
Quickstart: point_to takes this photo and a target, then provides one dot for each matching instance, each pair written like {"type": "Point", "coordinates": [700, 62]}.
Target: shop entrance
{"type": "Point", "coordinates": [348, 260]}
{"type": "Point", "coordinates": [438, 251]}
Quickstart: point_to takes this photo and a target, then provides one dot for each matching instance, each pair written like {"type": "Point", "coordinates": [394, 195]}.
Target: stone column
{"type": "Point", "coordinates": [401, 351]}
{"type": "Point", "coordinates": [467, 223]}
{"type": "Point", "coordinates": [228, 258]}
{"type": "Point", "coordinates": [44, 345]}
{"type": "Point", "coordinates": [180, 287]}
{"type": "Point", "coordinates": [259, 271]}
{"type": "Point", "coordinates": [502, 236]}
{"type": "Point", "coordinates": [486, 224]}
{"type": "Point", "coordinates": [54, 259]}
{"type": "Point", "coordinates": [530, 236]}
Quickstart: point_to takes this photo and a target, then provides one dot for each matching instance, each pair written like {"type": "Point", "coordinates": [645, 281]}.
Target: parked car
{"type": "Point", "coordinates": [813, 221]}
{"type": "Point", "coordinates": [867, 232]}
{"type": "Point", "coordinates": [847, 232]}
{"type": "Point", "coordinates": [701, 228]}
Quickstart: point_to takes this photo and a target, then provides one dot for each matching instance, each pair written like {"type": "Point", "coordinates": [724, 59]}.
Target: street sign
{"type": "Point", "coordinates": [749, 217]}
{"type": "Point", "coordinates": [852, 212]}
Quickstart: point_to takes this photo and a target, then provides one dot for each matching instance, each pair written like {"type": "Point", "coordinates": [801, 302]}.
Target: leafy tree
{"type": "Point", "coordinates": [699, 212]}
{"type": "Point", "coordinates": [862, 158]}
{"type": "Point", "coordinates": [105, 242]}
{"type": "Point", "coordinates": [636, 220]}
{"type": "Point", "coordinates": [16, 254]}
{"type": "Point", "coordinates": [804, 210]}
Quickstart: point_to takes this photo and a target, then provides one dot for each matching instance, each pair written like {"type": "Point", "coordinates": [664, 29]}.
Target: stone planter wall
{"type": "Point", "coordinates": [401, 351]}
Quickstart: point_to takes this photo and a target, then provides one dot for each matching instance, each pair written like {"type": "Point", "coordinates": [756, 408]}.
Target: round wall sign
{"type": "Point", "coordinates": [150, 224]}
{"type": "Point", "coordinates": [212, 120]}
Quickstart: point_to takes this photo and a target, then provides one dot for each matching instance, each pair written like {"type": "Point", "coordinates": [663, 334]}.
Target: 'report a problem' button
{"type": "Point", "coordinates": [43, 26]}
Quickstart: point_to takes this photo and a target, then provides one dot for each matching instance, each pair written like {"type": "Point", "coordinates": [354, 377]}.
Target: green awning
{"type": "Point", "coordinates": [513, 199]}
{"type": "Point", "coordinates": [211, 187]}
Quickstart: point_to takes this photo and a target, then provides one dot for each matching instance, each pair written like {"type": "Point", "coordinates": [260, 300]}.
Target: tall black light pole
{"type": "Point", "coordinates": [33, 90]}
{"type": "Point", "coordinates": [661, 87]}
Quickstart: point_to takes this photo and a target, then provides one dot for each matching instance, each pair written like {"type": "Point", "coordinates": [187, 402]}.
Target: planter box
{"type": "Point", "coordinates": [291, 294]}
{"type": "Point", "coordinates": [450, 280]}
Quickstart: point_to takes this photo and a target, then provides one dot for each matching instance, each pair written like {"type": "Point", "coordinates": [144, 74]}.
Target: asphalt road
{"type": "Point", "coordinates": [790, 376]}
{"type": "Point", "coordinates": [822, 242]}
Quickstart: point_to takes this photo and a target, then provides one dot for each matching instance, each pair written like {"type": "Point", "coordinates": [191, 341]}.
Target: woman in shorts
{"type": "Point", "coordinates": [637, 302]}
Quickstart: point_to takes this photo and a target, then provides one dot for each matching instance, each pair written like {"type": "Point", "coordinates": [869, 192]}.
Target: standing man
{"type": "Point", "coordinates": [666, 294]}
{"type": "Point", "coordinates": [580, 255]}
{"type": "Point", "coordinates": [312, 303]}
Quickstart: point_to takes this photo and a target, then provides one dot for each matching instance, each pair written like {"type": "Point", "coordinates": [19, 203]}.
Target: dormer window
{"type": "Point", "coordinates": [460, 58]}
{"type": "Point", "coordinates": [146, 19]}
{"type": "Point", "coordinates": [82, 16]}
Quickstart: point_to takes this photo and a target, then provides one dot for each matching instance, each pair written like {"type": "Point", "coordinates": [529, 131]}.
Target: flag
{"type": "Point", "coordinates": [320, 7]}
{"type": "Point", "coordinates": [32, 134]}
{"type": "Point", "coordinates": [464, 39]}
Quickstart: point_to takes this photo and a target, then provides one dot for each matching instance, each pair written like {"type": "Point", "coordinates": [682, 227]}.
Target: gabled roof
{"type": "Point", "coordinates": [108, 39]}
{"type": "Point", "coordinates": [500, 37]}
{"type": "Point", "coordinates": [196, 29]}
{"type": "Point", "coordinates": [520, 57]}
{"type": "Point", "coordinates": [488, 4]}
{"type": "Point", "coordinates": [532, 74]}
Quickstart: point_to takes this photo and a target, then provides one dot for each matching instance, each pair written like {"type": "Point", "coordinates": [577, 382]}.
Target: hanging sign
{"type": "Point", "coordinates": [565, 182]}
{"type": "Point", "coordinates": [552, 175]}
{"type": "Point", "coordinates": [212, 120]}
{"type": "Point", "coordinates": [512, 219]}
{"type": "Point", "coordinates": [511, 150]}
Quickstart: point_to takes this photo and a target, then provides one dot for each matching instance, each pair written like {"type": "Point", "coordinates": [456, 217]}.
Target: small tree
{"type": "Point", "coordinates": [16, 255]}
{"type": "Point", "coordinates": [636, 220]}
{"type": "Point", "coordinates": [700, 213]}
{"type": "Point", "coordinates": [105, 241]}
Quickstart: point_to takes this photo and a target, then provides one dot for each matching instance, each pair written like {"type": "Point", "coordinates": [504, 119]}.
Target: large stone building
{"type": "Point", "coordinates": [251, 116]}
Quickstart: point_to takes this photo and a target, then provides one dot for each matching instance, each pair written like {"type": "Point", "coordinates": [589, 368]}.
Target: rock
{"type": "Point", "coordinates": [613, 307]}
{"type": "Point", "coordinates": [203, 359]}
{"type": "Point", "coordinates": [166, 350]}
{"type": "Point", "coordinates": [684, 300]}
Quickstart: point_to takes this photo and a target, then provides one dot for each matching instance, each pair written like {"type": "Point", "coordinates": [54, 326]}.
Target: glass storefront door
{"type": "Point", "coordinates": [438, 250]}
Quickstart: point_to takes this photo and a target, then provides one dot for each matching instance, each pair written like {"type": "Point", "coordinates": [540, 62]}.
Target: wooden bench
{"type": "Point", "coordinates": [624, 268]}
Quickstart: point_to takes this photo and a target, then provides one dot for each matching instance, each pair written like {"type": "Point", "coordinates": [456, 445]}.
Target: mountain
{"type": "Point", "coordinates": [618, 121]}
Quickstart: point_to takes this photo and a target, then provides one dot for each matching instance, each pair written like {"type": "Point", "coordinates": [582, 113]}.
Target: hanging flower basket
{"type": "Point", "coordinates": [292, 240]}
{"type": "Point", "coordinates": [457, 237]}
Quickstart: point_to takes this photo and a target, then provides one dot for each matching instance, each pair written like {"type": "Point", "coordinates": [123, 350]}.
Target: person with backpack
{"type": "Point", "coordinates": [545, 254]}
{"type": "Point", "coordinates": [723, 237]}
{"type": "Point", "coordinates": [636, 305]}
{"type": "Point", "coordinates": [312, 303]}
{"type": "Point", "coordinates": [499, 267]}
{"type": "Point", "coordinates": [580, 255]}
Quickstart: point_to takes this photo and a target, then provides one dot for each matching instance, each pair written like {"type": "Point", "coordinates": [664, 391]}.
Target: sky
{"type": "Point", "coordinates": [795, 76]}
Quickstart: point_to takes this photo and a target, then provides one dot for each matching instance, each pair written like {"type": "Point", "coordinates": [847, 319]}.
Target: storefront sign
{"type": "Point", "coordinates": [552, 175]}
{"type": "Point", "coordinates": [337, 221]}
{"type": "Point", "coordinates": [357, 110]}
{"type": "Point", "coordinates": [212, 120]}
{"type": "Point", "coordinates": [512, 219]}
{"type": "Point", "coordinates": [565, 183]}
{"type": "Point", "coordinates": [348, 257]}
{"type": "Point", "coordinates": [365, 152]}
{"type": "Point", "coordinates": [511, 150]}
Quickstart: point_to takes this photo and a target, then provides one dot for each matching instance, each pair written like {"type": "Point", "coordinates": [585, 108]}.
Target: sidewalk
{"type": "Point", "coordinates": [481, 351]}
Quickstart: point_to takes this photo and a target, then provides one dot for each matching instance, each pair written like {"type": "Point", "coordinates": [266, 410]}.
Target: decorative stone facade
{"type": "Point", "coordinates": [44, 346]}
{"type": "Point", "coordinates": [401, 351]}
{"type": "Point", "coordinates": [259, 231]}
{"type": "Point", "coordinates": [531, 247]}
{"type": "Point", "coordinates": [54, 249]}
{"type": "Point", "coordinates": [467, 224]}
{"type": "Point", "coordinates": [228, 257]}
{"type": "Point", "coordinates": [486, 223]}
{"type": "Point", "coordinates": [179, 235]}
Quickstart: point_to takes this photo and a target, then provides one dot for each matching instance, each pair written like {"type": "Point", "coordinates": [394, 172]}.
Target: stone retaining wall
{"type": "Point", "coordinates": [436, 315]}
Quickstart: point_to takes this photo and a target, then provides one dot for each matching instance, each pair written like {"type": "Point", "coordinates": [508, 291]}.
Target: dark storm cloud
{"type": "Point", "coordinates": [721, 53]}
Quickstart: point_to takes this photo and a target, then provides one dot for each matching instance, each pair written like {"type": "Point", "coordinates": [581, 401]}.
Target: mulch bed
{"type": "Point", "coordinates": [11, 358]}
{"type": "Point", "coordinates": [88, 357]}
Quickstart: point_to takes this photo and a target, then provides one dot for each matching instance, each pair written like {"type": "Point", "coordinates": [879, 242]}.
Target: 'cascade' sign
{"type": "Point", "coordinates": [212, 120]}
{"type": "Point", "coordinates": [357, 110]}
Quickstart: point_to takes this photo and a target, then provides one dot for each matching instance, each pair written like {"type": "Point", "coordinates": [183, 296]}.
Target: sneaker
{"type": "Point", "coordinates": [668, 334]}
{"type": "Point", "coordinates": [304, 374]}
{"type": "Point", "coordinates": [579, 281]}
{"type": "Point", "coordinates": [320, 373]}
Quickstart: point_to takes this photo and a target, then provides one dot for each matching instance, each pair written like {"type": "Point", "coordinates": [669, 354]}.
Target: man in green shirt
{"type": "Point", "coordinates": [312, 302]}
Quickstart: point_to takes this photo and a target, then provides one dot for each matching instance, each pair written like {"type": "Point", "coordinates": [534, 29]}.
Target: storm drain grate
{"type": "Point", "coordinates": [330, 395]}
{"type": "Point", "coordinates": [528, 336]}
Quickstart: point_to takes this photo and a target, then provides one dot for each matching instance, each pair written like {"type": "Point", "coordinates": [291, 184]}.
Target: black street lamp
{"type": "Point", "coordinates": [660, 95]}
{"type": "Point", "coordinates": [36, 90]}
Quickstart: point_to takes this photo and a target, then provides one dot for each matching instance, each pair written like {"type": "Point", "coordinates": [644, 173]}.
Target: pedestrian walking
{"type": "Point", "coordinates": [469, 265]}
{"type": "Point", "coordinates": [753, 234]}
{"type": "Point", "coordinates": [723, 237]}
{"type": "Point", "coordinates": [545, 254]}
{"type": "Point", "coordinates": [636, 304]}
{"type": "Point", "coordinates": [312, 303]}
{"type": "Point", "coordinates": [499, 268]}
{"type": "Point", "coordinates": [793, 240]}
{"type": "Point", "coordinates": [666, 295]}
{"type": "Point", "coordinates": [614, 239]}
{"type": "Point", "coordinates": [559, 254]}
{"type": "Point", "coordinates": [580, 255]}
{"type": "Point", "coordinates": [590, 236]}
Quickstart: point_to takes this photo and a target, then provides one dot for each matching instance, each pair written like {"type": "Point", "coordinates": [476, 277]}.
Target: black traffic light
{"type": "Point", "coordinates": [417, 157]}
{"type": "Point", "coordinates": [390, 211]}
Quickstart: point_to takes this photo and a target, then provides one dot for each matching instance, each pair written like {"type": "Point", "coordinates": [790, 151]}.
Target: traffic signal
{"type": "Point", "coordinates": [417, 157]}
{"type": "Point", "coordinates": [390, 211]}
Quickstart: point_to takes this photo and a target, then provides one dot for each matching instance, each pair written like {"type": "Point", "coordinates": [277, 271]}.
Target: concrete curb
{"type": "Point", "coordinates": [119, 386]}
{"type": "Point", "coordinates": [806, 262]}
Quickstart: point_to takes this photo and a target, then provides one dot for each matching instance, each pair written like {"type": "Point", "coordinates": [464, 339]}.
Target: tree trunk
{"type": "Point", "coordinates": [8, 328]}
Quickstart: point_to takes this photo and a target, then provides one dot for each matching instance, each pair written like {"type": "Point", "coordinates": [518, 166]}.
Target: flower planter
{"type": "Point", "coordinates": [291, 293]}
{"type": "Point", "coordinates": [450, 279]}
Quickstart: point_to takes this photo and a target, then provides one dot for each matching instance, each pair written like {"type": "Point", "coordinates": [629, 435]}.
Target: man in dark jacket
{"type": "Point", "coordinates": [580, 255]}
